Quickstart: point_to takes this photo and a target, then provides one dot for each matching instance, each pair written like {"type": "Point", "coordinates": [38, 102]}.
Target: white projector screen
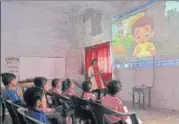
{"type": "Point", "coordinates": [50, 68]}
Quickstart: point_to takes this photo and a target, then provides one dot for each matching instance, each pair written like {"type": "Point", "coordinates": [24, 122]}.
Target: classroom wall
{"type": "Point", "coordinates": [31, 31]}
{"type": "Point", "coordinates": [164, 79]}
{"type": "Point", "coordinates": [164, 83]}
{"type": "Point", "coordinates": [106, 22]}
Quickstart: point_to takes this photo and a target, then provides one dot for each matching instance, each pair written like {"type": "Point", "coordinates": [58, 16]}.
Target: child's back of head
{"type": "Point", "coordinates": [41, 82]}
{"type": "Point", "coordinates": [66, 84]}
{"type": "Point", "coordinates": [114, 87]}
{"type": "Point", "coordinates": [67, 87]}
{"type": "Point", "coordinates": [86, 86]}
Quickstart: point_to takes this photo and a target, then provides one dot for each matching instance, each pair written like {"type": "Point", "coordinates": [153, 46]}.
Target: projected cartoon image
{"type": "Point", "coordinates": [137, 37]}
{"type": "Point", "coordinates": [123, 35]}
{"type": "Point", "coordinates": [143, 32]}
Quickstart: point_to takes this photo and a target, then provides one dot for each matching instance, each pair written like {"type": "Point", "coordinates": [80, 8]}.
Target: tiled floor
{"type": "Point", "coordinates": [156, 116]}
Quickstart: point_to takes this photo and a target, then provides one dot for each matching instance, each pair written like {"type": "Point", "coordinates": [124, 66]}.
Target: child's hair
{"type": "Point", "coordinates": [40, 82]}
{"type": "Point", "coordinates": [66, 84]}
{"type": "Point", "coordinates": [7, 78]}
{"type": "Point", "coordinates": [142, 22]}
{"type": "Point", "coordinates": [114, 87]}
{"type": "Point", "coordinates": [32, 95]}
{"type": "Point", "coordinates": [55, 82]}
{"type": "Point", "coordinates": [86, 86]}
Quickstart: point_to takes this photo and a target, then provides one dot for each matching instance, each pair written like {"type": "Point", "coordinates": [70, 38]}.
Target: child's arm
{"type": "Point", "coordinates": [47, 110]}
{"type": "Point", "coordinates": [151, 49]}
{"type": "Point", "coordinates": [137, 50]}
{"type": "Point", "coordinates": [89, 72]}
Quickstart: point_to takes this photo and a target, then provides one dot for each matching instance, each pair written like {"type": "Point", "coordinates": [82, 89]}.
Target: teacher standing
{"type": "Point", "coordinates": [94, 74]}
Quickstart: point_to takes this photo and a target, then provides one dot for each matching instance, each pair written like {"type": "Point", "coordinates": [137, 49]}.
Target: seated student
{"type": "Point", "coordinates": [34, 98]}
{"type": "Point", "coordinates": [68, 88]}
{"type": "Point", "coordinates": [9, 81]}
{"type": "Point", "coordinates": [41, 82]}
{"type": "Point", "coordinates": [86, 86]}
{"type": "Point", "coordinates": [56, 86]}
{"type": "Point", "coordinates": [112, 101]}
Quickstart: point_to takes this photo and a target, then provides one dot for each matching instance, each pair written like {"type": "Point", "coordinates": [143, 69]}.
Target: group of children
{"type": "Point", "coordinates": [36, 102]}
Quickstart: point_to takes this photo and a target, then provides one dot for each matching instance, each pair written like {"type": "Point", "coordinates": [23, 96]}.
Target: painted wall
{"type": "Point", "coordinates": [32, 31]}
{"type": "Point", "coordinates": [108, 14]}
{"type": "Point", "coordinates": [164, 80]}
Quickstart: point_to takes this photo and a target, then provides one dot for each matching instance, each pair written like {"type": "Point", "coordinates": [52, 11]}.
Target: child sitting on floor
{"type": "Point", "coordinates": [56, 86]}
{"type": "Point", "coordinates": [67, 88]}
{"type": "Point", "coordinates": [86, 86]}
{"type": "Point", "coordinates": [9, 81]}
{"type": "Point", "coordinates": [112, 101]}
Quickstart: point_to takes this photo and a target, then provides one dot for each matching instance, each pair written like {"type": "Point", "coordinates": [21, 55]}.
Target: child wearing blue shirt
{"type": "Point", "coordinates": [9, 81]}
{"type": "Point", "coordinates": [53, 116]}
{"type": "Point", "coordinates": [34, 97]}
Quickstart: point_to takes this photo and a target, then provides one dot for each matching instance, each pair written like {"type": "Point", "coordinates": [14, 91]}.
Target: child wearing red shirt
{"type": "Point", "coordinates": [56, 86]}
{"type": "Point", "coordinates": [87, 94]}
{"type": "Point", "coordinates": [112, 101]}
{"type": "Point", "coordinates": [68, 88]}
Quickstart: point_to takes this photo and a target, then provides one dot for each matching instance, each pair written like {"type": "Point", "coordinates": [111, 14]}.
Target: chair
{"type": "Point", "coordinates": [63, 102]}
{"type": "Point", "coordinates": [83, 110]}
{"type": "Point", "coordinates": [101, 110]}
{"type": "Point", "coordinates": [15, 107]}
{"type": "Point", "coordinates": [11, 107]}
{"type": "Point", "coordinates": [3, 106]}
{"type": "Point", "coordinates": [51, 103]}
{"type": "Point", "coordinates": [99, 92]}
{"type": "Point", "coordinates": [27, 119]}
{"type": "Point", "coordinates": [58, 99]}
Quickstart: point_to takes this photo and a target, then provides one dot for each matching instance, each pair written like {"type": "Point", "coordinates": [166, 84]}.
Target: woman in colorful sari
{"type": "Point", "coordinates": [94, 74]}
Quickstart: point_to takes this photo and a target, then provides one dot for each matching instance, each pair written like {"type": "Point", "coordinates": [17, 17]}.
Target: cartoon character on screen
{"type": "Point", "coordinates": [143, 33]}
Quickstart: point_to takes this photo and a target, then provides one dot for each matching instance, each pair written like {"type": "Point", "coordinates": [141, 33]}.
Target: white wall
{"type": "Point", "coordinates": [106, 34]}
{"type": "Point", "coordinates": [31, 31]}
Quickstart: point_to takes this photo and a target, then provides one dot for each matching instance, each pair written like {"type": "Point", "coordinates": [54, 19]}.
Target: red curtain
{"type": "Point", "coordinates": [102, 53]}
